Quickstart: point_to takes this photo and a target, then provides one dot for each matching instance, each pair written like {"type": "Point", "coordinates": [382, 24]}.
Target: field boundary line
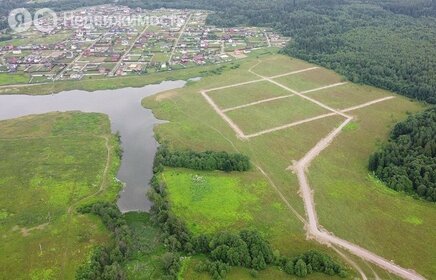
{"type": "Point", "coordinates": [257, 102]}
{"type": "Point", "coordinates": [294, 72]}
{"type": "Point", "coordinates": [288, 204]}
{"type": "Point", "coordinates": [266, 131]}
{"type": "Point", "coordinates": [324, 87]}
{"type": "Point", "coordinates": [301, 168]}
{"type": "Point", "coordinates": [232, 125]}
{"type": "Point", "coordinates": [367, 104]}
{"type": "Point", "coordinates": [235, 85]}
{"type": "Point", "coordinates": [301, 95]}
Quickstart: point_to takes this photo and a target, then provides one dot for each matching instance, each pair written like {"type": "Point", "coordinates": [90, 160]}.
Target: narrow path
{"type": "Point", "coordinates": [324, 87]}
{"type": "Point", "coordinates": [289, 73]}
{"type": "Point", "coordinates": [257, 102]}
{"type": "Point", "coordinates": [266, 131]}
{"type": "Point", "coordinates": [102, 187]}
{"type": "Point", "coordinates": [236, 128]}
{"type": "Point", "coordinates": [104, 179]}
{"type": "Point", "coordinates": [367, 104]}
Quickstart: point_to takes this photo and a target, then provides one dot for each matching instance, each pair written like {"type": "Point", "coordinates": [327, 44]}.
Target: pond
{"type": "Point", "coordinates": [134, 123]}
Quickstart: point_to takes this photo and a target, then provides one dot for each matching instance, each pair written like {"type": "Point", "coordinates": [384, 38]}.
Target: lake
{"type": "Point", "coordinates": [134, 123]}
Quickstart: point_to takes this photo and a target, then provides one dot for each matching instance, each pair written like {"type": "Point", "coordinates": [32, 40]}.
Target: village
{"type": "Point", "coordinates": [175, 39]}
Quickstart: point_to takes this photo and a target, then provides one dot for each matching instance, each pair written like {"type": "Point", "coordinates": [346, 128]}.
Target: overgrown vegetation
{"type": "Point", "coordinates": [49, 165]}
{"type": "Point", "coordinates": [225, 249]}
{"type": "Point", "coordinates": [106, 261]}
{"type": "Point", "coordinates": [208, 160]}
{"type": "Point", "coordinates": [407, 162]}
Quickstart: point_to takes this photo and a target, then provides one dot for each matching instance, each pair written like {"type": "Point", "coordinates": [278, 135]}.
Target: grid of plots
{"type": "Point", "coordinates": [298, 94]}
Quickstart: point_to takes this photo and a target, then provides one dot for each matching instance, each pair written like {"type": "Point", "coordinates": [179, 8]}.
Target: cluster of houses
{"type": "Point", "coordinates": [176, 39]}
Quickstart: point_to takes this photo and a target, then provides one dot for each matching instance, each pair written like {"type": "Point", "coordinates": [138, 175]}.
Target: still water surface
{"type": "Point", "coordinates": [133, 122]}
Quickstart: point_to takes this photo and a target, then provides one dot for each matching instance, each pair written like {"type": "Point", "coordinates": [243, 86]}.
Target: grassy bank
{"type": "Point", "coordinates": [50, 164]}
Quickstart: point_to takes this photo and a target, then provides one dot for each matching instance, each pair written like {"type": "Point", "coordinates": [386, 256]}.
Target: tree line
{"type": "Point", "coordinates": [208, 160]}
{"type": "Point", "coordinates": [106, 262]}
{"type": "Point", "coordinates": [223, 250]}
{"type": "Point", "coordinates": [407, 163]}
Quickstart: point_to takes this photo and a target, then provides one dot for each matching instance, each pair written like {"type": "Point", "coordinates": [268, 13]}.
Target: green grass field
{"type": "Point", "coordinates": [310, 79]}
{"type": "Point", "coordinates": [372, 215]}
{"type": "Point", "coordinates": [213, 201]}
{"type": "Point", "coordinates": [279, 64]}
{"type": "Point", "coordinates": [349, 204]}
{"type": "Point", "coordinates": [236, 96]}
{"type": "Point", "coordinates": [49, 165]}
{"type": "Point", "coordinates": [348, 95]}
{"type": "Point", "coordinates": [275, 113]}
{"type": "Point", "coordinates": [7, 79]}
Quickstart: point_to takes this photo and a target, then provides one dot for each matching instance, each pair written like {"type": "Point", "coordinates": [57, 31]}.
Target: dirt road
{"type": "Point", "coordinates": [322, 236]}
{"type": "Point", "coordinates": [301, 167]}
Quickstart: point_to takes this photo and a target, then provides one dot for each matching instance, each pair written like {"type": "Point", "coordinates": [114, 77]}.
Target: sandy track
{"type": "Point", "coordinates": [301, 167]}
{"type": "Point", "coordinates": [290, 73]}
{"type": "Point", "coordinates": [324, 87]}
{"type": "Point", "coordinates": [266, 131]}
{"type": "Point", "coordinates": [367, 104]}
{"type": "Point", "coordinates": [322, 236]}
{"type": "Point", "coordinates": [236, 128]}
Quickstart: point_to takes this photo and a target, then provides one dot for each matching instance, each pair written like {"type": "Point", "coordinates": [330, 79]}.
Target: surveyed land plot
{"type": "Point", "coordinates": [233, 97]}
{"type": "Point", "coordinates": [311, 80]}
{"type": "Point", "coordinates": [349, 95]}
{"type": "Point", "coordinates": [274, 114]}
{"type": "Point", "coordinates": [278, 65]}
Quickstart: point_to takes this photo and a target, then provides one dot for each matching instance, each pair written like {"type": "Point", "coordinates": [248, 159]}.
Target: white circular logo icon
{"type": "Point", "coordinates": [20, 20]}
{"type": "Point", "coordinates": [45, 20]}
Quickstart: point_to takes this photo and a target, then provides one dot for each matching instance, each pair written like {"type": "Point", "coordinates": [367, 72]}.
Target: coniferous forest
{"type": "Point", "coordinates": [407, 162]}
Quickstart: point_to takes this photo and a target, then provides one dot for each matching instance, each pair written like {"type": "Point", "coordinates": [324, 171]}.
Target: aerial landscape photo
{"type": "Point", "coordinates": [232, 139]}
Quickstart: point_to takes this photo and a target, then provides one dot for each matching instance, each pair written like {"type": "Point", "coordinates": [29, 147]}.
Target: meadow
{"type": "Point", "coordinates": [349, 202]}
{"type": "Point", "coordinates": [50, 164]}
{"type": "Point", "coordinates": [232, 97]}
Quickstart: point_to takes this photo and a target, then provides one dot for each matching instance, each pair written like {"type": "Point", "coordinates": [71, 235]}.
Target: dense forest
{"type": "Point", "coordinates": [407, 162]}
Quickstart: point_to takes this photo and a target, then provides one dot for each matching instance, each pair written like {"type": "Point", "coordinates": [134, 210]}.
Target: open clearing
{"type": "Point", "coordinates": [209, 127]}
{"type": "Point", "coordinates": [236, 96]}
{"type": "Point", "coordinates": [348, 95]}
{"type": "Point", "coordinates": [49, 165]}
{"type": "Point", "coordinates": [274, 113]}
{"type": "Point", "coordinates": [310, 80]}
{"type": "Point", "coordinates": [279, 64]}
